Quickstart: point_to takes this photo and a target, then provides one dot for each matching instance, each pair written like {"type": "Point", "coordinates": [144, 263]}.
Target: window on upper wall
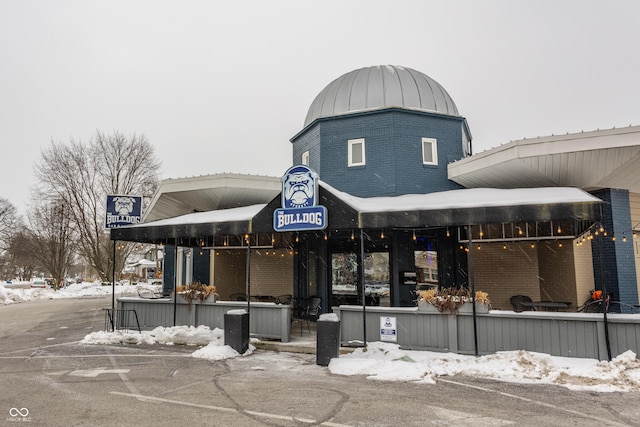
{"type": "Point", "coordinates": [429, 151]}
{"type": "Point", "coordinates": [356, 152]}
{"type": "Point", "coordinates": [305, 158]}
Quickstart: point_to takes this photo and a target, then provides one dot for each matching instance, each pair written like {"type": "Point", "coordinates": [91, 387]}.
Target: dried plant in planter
{"type": "Point", "coordinates": [198, 291]}
{"type": "Point", "coordinates": [449, 300]}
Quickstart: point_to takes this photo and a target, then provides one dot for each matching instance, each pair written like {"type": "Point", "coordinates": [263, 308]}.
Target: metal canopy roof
{"type": "Point", "coordinates": [182, 196]}
{"type": "Point", "coordinates": [449, 208]}
{"type": "Point", "coordinates": [587, 160]}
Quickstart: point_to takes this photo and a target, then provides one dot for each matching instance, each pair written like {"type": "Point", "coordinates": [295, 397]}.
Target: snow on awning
{"type": "Point", "coordinates": [194, 225]}
{"type": "Point", "coordinates": [473, 206]}
{"type": "Point", "coordinates": [441, 209]}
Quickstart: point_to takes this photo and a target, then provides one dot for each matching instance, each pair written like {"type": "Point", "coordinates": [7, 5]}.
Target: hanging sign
{"type": "Point", "coordinates": [123, 210]}
{"type": "Point", "coordinates": [300, 210]}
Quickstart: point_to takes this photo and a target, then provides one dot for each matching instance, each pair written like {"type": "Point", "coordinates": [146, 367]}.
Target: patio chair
{"type": "Point", "coordinates": [516, 303]}
{"type": "Point", "coordinates": [238, 297]}
{"type": "Point", "coordinates": [284, 299]}
{"type": "Point", "coordinates": [311, 312]}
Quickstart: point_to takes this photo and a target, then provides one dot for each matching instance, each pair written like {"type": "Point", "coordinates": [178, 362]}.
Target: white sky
{"type": "Point", "coordinates": [383, 361]}
{"type": "Point", "coordinates": [223, 86]}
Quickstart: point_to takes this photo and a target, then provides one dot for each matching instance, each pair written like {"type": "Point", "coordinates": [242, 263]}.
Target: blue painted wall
{"type": "Point", "coordinates": [614, 260]}
{"type": "Point", "coordinates": [169, 272]}
{"type": "Point", "coordinates": [393, 152]}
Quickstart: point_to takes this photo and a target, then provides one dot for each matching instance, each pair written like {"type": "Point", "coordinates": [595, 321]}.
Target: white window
{"type": "Point", "coordinates": [305, 158]}
{"type": "Point", "coordinates": [429, 151]}
{"type": "Point", "coordinates": [356, 152]}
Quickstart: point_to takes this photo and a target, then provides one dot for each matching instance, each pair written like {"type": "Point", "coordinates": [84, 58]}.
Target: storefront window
{"type": "Point", "coordinates": [376, 278]}
{"type": "Point", "coordinates": [426, 269]}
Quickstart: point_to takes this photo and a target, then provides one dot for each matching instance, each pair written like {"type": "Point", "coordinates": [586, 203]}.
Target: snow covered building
{"type": "Point", "coordinates": [409, 206]}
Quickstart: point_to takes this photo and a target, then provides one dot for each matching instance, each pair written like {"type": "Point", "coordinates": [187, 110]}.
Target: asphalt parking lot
{"type": "Point", "coordinates": [48, 378]}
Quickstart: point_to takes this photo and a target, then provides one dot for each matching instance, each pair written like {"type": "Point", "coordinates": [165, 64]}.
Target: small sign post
{"type": "Point", "coordinates": [388, 329]}
{"type": "Point", "coordinates": [120, 211]}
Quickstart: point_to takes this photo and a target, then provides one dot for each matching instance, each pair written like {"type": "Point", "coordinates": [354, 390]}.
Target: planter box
{"type": "Point", "coordinates": [464, 308]}
{"type": "Point", "coordinates": [209, 298]}
{"type": "Point", "coordinates": [427, 307]}
{"type": "Point", "coordinates": [467, 307]}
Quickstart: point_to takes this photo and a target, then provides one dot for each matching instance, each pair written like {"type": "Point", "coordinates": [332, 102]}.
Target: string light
{"type": "Point", "coordinates": [352, 236]}
{"type": "Point", "coordinates": [448, 235]}
{"type": "Point", "coordinates": [382, 234]}
{"type": "Point", "coordinates": [414, 235]}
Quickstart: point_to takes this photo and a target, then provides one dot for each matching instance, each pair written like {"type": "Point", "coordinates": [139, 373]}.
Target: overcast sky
{"type": "Point", "coordinates": [222, 86]}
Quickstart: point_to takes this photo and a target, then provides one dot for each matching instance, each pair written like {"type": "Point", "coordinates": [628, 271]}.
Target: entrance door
{"type": "Point", "coordinates": [345, 287]}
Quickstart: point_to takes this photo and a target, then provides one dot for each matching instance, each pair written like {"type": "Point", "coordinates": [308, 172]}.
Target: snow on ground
{"type": "Point", "coordinates": [378, 361]}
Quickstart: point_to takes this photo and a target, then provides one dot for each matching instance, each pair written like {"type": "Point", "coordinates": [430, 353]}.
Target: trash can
{"type": "Point", "coordinates": [327, 338]}
{"type": "Point", "coordinates": [236, 330]}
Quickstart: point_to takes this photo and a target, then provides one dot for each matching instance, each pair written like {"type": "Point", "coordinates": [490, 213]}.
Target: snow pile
{"type": "Point", "coordinates": [387, 362]}
{"type": "Point", "coordinates": [212, 341]}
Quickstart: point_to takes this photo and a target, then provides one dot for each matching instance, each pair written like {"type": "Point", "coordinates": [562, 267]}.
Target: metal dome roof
{"type": "Point", "coordinates": [381, 86]}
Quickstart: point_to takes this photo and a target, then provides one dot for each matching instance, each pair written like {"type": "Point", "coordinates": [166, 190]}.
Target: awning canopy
{"type": "Point", "coordinates": [414, 211]}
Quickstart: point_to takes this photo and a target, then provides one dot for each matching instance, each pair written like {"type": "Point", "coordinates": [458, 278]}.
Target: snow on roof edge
{"type": "Point", "coordinates": [466, 198]}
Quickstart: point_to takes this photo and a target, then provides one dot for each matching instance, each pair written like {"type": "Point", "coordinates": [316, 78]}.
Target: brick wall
{"type": "Point", "coordinates": [634, 238]}
{"type": "Point", "coordinates": [393, 152]}
{"type": "Point", "coordinates": [270, 274]}
{"type": "Point", "coordinates": [583, 260]}
{"type": "Point", "coordinates": [506, 272]}
{"type": "Point", "coordinates": [557, 272]}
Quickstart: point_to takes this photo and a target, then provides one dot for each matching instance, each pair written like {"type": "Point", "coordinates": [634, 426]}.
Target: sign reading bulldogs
{"type": "Point", "coordinates": [299, 210]}
{"type": "Point", "coordinates": [123, 210]}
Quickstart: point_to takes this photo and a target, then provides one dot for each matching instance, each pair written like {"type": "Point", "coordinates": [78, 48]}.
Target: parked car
{"type": "Point", "coordinates": [39, 283]}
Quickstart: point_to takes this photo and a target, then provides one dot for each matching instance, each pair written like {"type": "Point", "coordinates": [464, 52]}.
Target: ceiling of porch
{"type": "Point", "coordinates": [588, 160]}
{"type": "Point", "coordinates": [183, 196]}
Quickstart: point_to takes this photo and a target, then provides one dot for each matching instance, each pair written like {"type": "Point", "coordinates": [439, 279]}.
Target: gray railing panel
{"type": "Point", "coordinates": [558, 334]}
{"type": "Point", "coordinates": [267, 320]}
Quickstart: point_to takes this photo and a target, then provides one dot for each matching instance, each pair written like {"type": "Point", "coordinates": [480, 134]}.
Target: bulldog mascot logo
{"type": "Point", "coordinates": [123, 205]}
{"type": "Point", "coordinates": [123, 210]}
{"type": "Point", "coordinates": [299, 188]}
{"type": "Point", "coordinates": [299, 210]}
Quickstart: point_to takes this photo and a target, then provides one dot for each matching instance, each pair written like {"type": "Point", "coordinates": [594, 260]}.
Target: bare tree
{"type": "Point", "coordinates": [9, 219]}
{"type": "Point", "coordinates": [51, 241]}
{"type": "Point", "coordinates": [81, 175]}
{"type": "Point", "coordinates": [21, 258]}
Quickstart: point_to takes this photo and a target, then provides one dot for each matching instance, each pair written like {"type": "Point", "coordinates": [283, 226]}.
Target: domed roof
{"type": "Point", "coordinates": [381, 86]}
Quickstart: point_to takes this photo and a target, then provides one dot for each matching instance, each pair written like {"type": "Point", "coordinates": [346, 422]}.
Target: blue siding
{"type": "Point", "coordinates": [613, 260]}
{"type": "Point", "coordinates": [393, 150]}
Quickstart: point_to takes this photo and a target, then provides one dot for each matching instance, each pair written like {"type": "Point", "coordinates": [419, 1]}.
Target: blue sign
{"type": "Point", "coordinates": [300, 210]}
{"type": "Point", "coordinates": [123, 210]}
{"type": "Point", "coordinates": [311, 218]}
